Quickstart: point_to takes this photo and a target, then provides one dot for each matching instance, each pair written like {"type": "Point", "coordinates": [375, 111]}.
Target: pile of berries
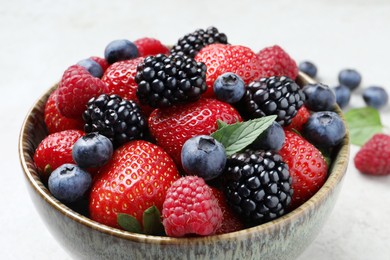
{"type": "Point", "coordinates": [209, 139]}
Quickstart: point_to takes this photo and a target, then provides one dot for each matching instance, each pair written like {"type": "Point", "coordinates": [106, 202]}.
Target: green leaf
{"type": "Point", "coordinates": [152, 221]}
{"type": "Point", "coordinates": [221, 124]}
{"type": "Point", "coordinates": [236, 137]}
{"type": "Point", "coordinates": [129, 223]}
{"type": "Point", "coordinates": [363, 123]}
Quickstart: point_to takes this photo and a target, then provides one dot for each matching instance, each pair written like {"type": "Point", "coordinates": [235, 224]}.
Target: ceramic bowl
{"type": "Point", "coordinates": [283, 238]}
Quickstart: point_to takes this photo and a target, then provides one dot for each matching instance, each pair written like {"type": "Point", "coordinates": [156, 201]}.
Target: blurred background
{"type": "Point", "coordinates": [40, 39]}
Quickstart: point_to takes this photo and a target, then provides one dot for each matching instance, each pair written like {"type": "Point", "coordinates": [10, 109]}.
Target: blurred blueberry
{"type": "Point", "coordinates": [375, 97]}
{"type": "Point", "coordinates": [271, 139]}
{"type": "Point", "coordinates": [324, 129]}
{"type": "Point", "coordinates": [343, 95]}
{"type": "Point", "coordinates": [308, 68]}
{"type": "Point", "coordinates": [118, 50]}
{"type": "Point", "coordinates": [229, 87]}
{"type": "Point", "coordinates": [350, 78]}
{"type": "Point", "coordinates": [319, 97]}
{"type": "Point", "coordinates": [92, 66]}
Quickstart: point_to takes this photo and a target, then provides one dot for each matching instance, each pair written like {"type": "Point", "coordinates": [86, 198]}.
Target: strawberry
{"type": "Point", "coordinates": [150, 46]}
{"type": "Point", "coordinates": [171, 127]}
{"type": "Point", "coordinates": [299, 119]}
{"type": "Point", "coordinates": [191, 208]}
{"type": "Point", "coordinates": [136, 178]}
{"type": "Point", "coordinates": [230, 222]}
{"type": "Point", "coordinates": [374, 156]}
{"type": "Point", "coordinates": [119, 78]}
{"type": "Point", "coordinates": [221, 58]}
{"type": "Point", "coordinates": [102, 62]}
{"type": "Point", "coordinates": [76, 87]}
{"type": "Point", "coordinates": [274, 61]}
{"type": "Point", "coordinates": [55, 122]}
{"type": "Point", "coordinates": [55, 150]}
{"type": "Point", "coordinates": [307, 166]}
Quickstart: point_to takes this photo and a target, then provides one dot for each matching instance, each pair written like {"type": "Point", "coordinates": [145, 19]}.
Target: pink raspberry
{"type": "Point", "coordinates": [275, 61]}
{"type": "Point", "coordinates": [190, 207]}
{"type": "Point", "coordinates": [150, 46]}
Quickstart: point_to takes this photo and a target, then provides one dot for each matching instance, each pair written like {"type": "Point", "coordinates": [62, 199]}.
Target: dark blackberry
{"type": "Point", "coordinates": [118, 119]}
{"type": "Point", "coordinates": [167, 80]}
{"type": "Point", "coordinates": [192, 43]}
{"type": "Point", "coordinates": [258, 185]}
{"type": "Point", "coordinates": [279, 96]}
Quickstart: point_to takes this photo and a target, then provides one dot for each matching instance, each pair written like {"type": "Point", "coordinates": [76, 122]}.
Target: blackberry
{"type": "Point", "coordinates": [279, 96]}
{"type": "Point", "coordinates": [118, 119]}
{"type": "Point", "coordinates": [258, 185]}
{"type": "Point", "coordinates": [167, 80]}
{"type": "Point", "coordinates": [192, 43]}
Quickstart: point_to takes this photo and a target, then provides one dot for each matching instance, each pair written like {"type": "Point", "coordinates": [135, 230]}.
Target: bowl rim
{"type": "Point", "coordinates": [337, 172]}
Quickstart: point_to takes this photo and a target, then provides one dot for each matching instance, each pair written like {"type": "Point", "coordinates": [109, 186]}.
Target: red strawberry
{"type": "Point", "coordinates": [221, 58]}
{"type": "Point", "coordinates": [119, 78]}
{"type": "Point", "coordinates": [274, 61]}
{"type": "Point", "coordinates": [307, 166]}
{"type": "Point", "coordinates": [191, 208]}
{"type": "Point", "coordinates": [173, 126]}
{"type": "Point", "coordinates": [55, 122]}
{"type": "Point", "coordinates": [76, 87]}
{"type": "Point", "coordinates": [230, 222]}
{"type": "Point", "coordinates": [374, 156]}
{"type": "Point", "coordinates": [102, 62]}
{"type": "Point", "coordinates": [299, 119]}
{"type": "Point", "coordinates": [137, 177]}
{"type": "Point", "coordinates": [55, 150]}
{"type": "Point", "coordinates": [150, 46]}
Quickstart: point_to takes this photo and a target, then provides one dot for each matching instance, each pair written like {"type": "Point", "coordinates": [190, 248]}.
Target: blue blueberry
{"type": "Point", "coordinates": [68, 183]}
{"type": "Point", "coordinates": [203, 156]}
{"type": "Point", "coordinates": [308, 68]}
{"type": "Point", "coordinates": [375, 97]}
{"type": "Point", "coordinates": [343, 95]}
{"type": "Point", "coordinates": [324, 129]}
{"type": "Point", "coordinates": [120, 50]}
{"type": "Point", "coordinates": [229, 87]}
{"type": "Point", "coordinates": [271, 139]}
{"type": "Point", "coordinates": [92, 66]}
{"type": "Point", "coordinates": [92, 150]}
{"type": "Point", "coordinates": [350, 78]}
{"type": "Point", "coordinates": [319, 97]}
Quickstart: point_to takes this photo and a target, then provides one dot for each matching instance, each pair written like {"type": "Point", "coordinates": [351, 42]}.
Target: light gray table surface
{"type": "Point", "coordinates": [40, 39]}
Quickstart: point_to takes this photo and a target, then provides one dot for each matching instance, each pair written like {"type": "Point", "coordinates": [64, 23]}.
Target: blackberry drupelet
{"type": "Point", "coordinates": [192, 43]}
{"type": "Point", "coordinates": [258, 185]}
{"type": "Point", "coordinates": [167, 80]}
{"type": "Point", "coordinates": [279, 96]}
{"type": "Point", "coordinates": [118, 119]}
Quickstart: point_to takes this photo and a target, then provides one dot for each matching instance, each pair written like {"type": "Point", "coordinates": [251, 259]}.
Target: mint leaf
{"type": "Point", "coordinates": [363, 123]}
{"type": "Point", "coordinates": [152, 221]}
{"type": "Point", "coordinates": [129, 223]}
{"type": "Point", "coordinates": [236, 137]}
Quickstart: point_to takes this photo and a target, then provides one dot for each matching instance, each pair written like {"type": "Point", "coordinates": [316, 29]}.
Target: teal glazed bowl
{"type": "Point", "coordinates": [283, 238]}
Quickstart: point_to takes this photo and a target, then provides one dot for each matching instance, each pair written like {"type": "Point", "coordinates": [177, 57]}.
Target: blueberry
{"type": "Point", "coordinates": [375, 97]}
{"type": "Point", "coordinates": [120, 50]}
{"type": "Point", "coordinates": [271, 139]}
{"type": "Point", "coordinates": [229, 87]}
{"type": "Point", "coordinates": [319, 97]}
{"type": "Point", "coordinates": [92, 66]}
{"type": "Point", "coordinates": [324, 129]}
{"type": "Point", "coordinates": [68, 183]}
{"type": "Point", "coordinates": [343, 95]}
{"type": "Point", "coordinates": [350, 78]}
{"type": "Point", "coordinates": [308, 68]}
{"type": "Point", "coordinates": [203, 156]}
{"type": "Point", "coordinates": [92, 150]}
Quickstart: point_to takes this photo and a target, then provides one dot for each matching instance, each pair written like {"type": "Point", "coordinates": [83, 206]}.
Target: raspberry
{"type": "Point", "coordinates": [190, 207]}
{"type": "Point", "coordinates": [76, 87]}
{"type": "Point", "coordinates": [150, 46]}
{"type": "Point", "coordinates": [276, 62]}
{"type": "Point", "coordinates": [374, 156]}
